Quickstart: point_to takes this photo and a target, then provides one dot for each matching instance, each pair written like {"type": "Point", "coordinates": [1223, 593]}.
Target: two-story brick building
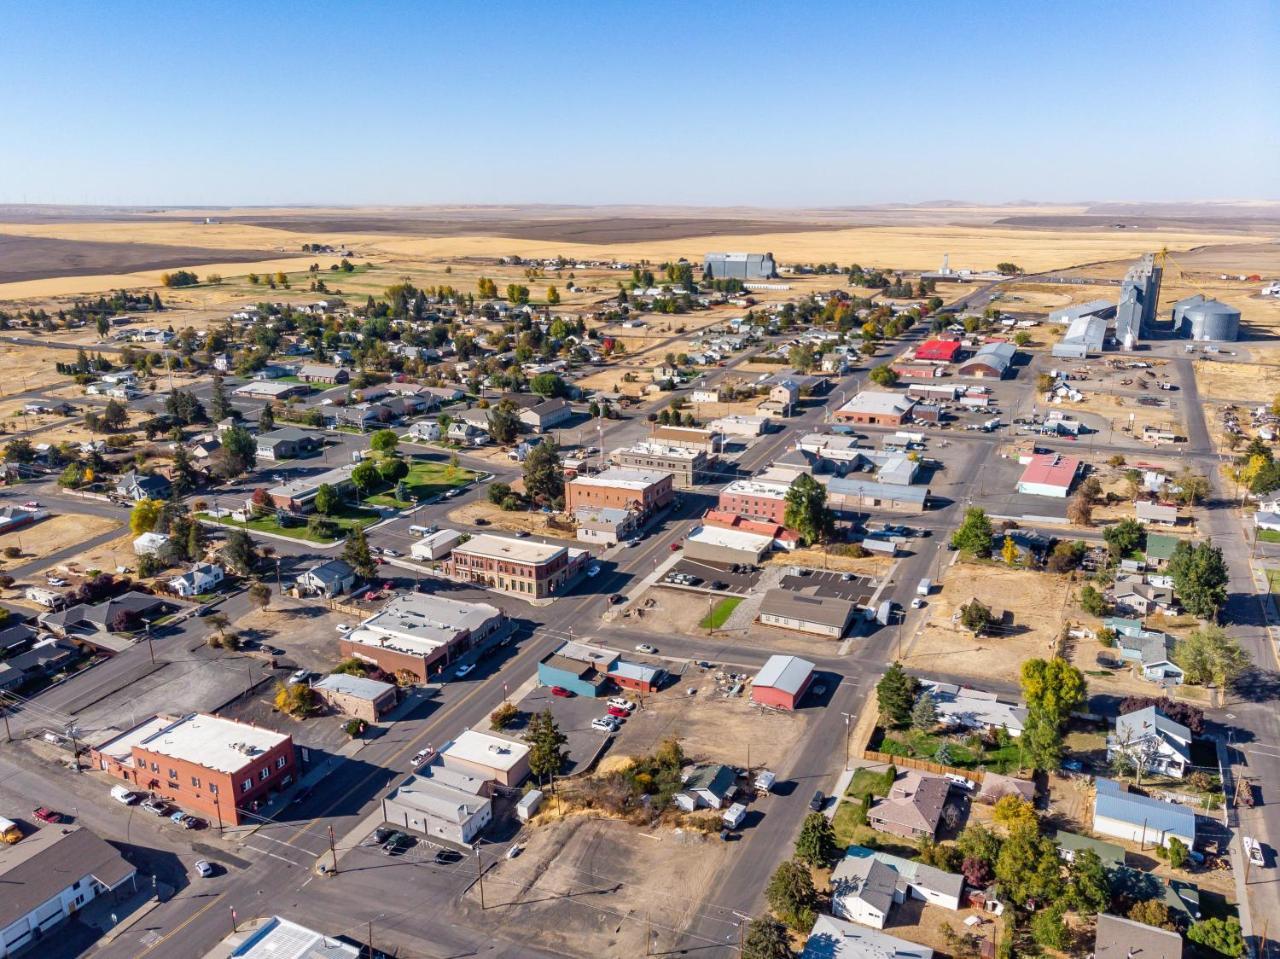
{"type": "Point", "coordinates": [520, 567]}
{"type": "Point", "coordinates": [688, 467]}
{"type": "Point", "coordinates": [213, 767]}
{"type": "Point", "coordinates": [643, 492]}
{"type": "Point", "coordinates": [755, 499]}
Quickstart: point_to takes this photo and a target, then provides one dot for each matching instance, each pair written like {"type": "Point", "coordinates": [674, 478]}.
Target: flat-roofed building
{"type": "Point", "coordinates": [504, 762]}
{"type": "Point", "coordinates": [876, 408]}
{"type": "Point", "coordinates": [850, 495]}
{"type": "Point", "coordinates": [356, 696]}
{"type": "Point", "coordinates": [216, 767]}
{"type": "Point", "coordinates": [434, 807]}
{"type": "Point", "coordinates": [421, 634]}
{"type": "Point", "coordinates": [272, 937]}
{"type": "Point", "coordinates": [604, 525]}
{"type": "Point", "coordinates": [520, 567]}
{"type": "Point", "coordinates": [689, 437]}
{"type": "Point", "coordinates": [688, 467]}
{"type": "Point", "coordinates": [299, 495]}
{"type": "Point", "coordinates": [755, 499]}
{"type": "Point", "coordinates": [641, 491]}
{"type": "Point", "coordinates": [1049, 474]}
{"type": "Point", "coordinates": [719, 544]}
{"type": "Point", "coordinates": [50, 875]}
{"type": "Point", "coordinates": [435, 545]}
{"type": "Point", "coordinates": [738, 425]}
{"type": "Point", "coordinates": [579, 668]}
{"type": "Point", "coordinates": [807, 612]}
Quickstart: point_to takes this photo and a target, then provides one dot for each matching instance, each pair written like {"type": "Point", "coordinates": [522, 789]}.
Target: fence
{"type": "Point", "coordinates": [922, 764]}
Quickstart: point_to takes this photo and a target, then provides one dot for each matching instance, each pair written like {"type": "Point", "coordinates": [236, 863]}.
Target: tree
{"type": "Point", "coordinates": [71, 476]}
{"type": "Point", "coordinates": [1015, 813]}
{"type": "Point", "coordinates": [384, 442]}
{"type": "Point", "coordinates": [1052, 687]}
{"type": "Point", "coordinates": [1178, 852]}
{"type": "Point", "coordinates": [327, 500]}
{"type": "Point", "coordinates": [1093, 602]}
{"type": "Point", "coordinates": [1152, 912]}
{"type": "Point", "coordinates": [1066, 556]}
{"type": "Point", "coordinates": [546, 745]}
{"type": "Point", "coordinates": [806, 509]}
{"type": "Point", "coordinates": [19, 451]}
{"type": "Point", "coordinates": [295, 699]}
{"type": "Point", "coordinates": [237, 452]}
{"type": "Point", "coordinates": [1040, 744]}
{"type": "Point", "coordinates": [1193, 488]}
{"type": "Point", "coordinates": [1088, 889]}
{"type": "Point", "coordinates": [504, 422]}
{"type": "Point", "coordinates": [239, 552]}
{"type": "Point", "coordinates": [498, 492]}
{"type": "Point", "coordinates": [267, 419]}
{"type": "Point", "coordinates": [1220, 935]}
{"type": "Point", "coordinates": [547, 384]}
{"type": "Point", "coordinates": [816, 844]}
{"type": "Point", "coordinates": [1009, 551]}
{"type": "Point", "coordinates": [365, 476]}
{"type": "Point", "coordinates": [974, 533]}
{"type": "Point", "coordinates": [883, 375]}
{"type": "Point", "coordinates": [895, 695]}
{"type": "Point", "coordinates": [977, 873]}
{"type": "Point", "coordinates": [1008, 269]}
{"type": "Point", "coordinates": [219, 406]}
{"type": "Point", "coordinates": [553, 296]}
{"type": "Point", "coordinates": [503, 716]}
{"type": "Point", "coordinates": [1124, 537]}
{"type": "Point", "coordinates": [1028, 869]}
{"type": "Point", "coordinates": [1048, 929]}
{"type": "Point", "coordinates": [1080, 510]}
{"type": "Point", "coordinates": [976, 617]}
{"type": "Point", "coordinates": [144, 516]}
{"type": "Point", "coordinates": [1208, 655]}
{"type": "Point", "coordinates": [356, 553]}
{"type": "Point", "coordinates": [543, 474]}
{"type": "Point", "coordinates": [1199, 576]}
{"type": "Point", "coordinates": [260, 595]}
{"type": "Point", "coordinates": [924, 714]}
{"type": "Point", "coordinates": [766, 938]}
{"type": "Point", "coordinates": [393, 469]}
{"type": "Point", "coordinates": [791, 895]}
{"type": "Point", "coordinates": [980, 843]}
{"type": "Point", "coordinates": [114, 416]}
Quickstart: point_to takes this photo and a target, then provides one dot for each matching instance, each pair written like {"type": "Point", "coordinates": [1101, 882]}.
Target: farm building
{"type": "Point", "coordinates": [992, 361]}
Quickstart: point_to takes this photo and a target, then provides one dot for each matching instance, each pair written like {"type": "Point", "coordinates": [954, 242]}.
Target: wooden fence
{"type": "Point", "coordinates": [922, 764]}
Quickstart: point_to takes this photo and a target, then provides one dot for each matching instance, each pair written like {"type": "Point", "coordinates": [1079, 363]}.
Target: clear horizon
{"type": "Point", "coordinates": [599, 105]}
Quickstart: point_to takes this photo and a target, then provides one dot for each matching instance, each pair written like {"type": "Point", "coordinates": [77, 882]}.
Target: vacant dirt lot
{"type": "Point", "coordinates": [1228, 381]}
{"type": "Point", "coordinates": [590, 887]}
{"type": "Point", "coordinates": [878, 566]}
{"type": "Point", "coordinates": [57, 533]}
{"type": "Point", "coordinates": [1036, 602]}
{"type": "Point", "coordinates": [499, 519]}
{"type": "Point", "coordinates": [1050, 296]}
{"type": "Point", "coordinates": [107, 557]}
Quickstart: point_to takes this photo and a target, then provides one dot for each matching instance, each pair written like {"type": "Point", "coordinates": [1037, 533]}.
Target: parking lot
{"type": "Point", "coordinates": [857, 589]}
{"type": "Point", "coordinates": [737, 584]}
{"type": "Point", "coordinates": [573, 715]}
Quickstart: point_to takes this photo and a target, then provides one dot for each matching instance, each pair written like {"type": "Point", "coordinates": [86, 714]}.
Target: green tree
{"type": "Point", "coordinates": [144, 516]}
{"type": "Point", "coordinates": [766, 938]}
{"type": "Point", "coordinates": [1208, 655]}
{"type": "Point", "coordinates": [498, 492]}
{"type": "Point", "coordinates": [237, 452]}
{"type": "Point", "coordinates": [806, 509]}
{"type": "Point", "coordinates": [791, 895]}
{"type": "Point", "coordinates": [219, 407]}
{"type": "Point", "coordinates": [504, 422]}
{"type": "Point", "coordinates": [1220, 935]}
{"type": "Point", "coordinates": [1177, 852]}
{"type": "Point", "coordinates": [384, 442]}
{"type": "Point", "coordinates": [239, 552]}
{"type": "Point", "coordinates": [924, 714]}
{"type": "Point", "coordinates": [72, 475]}
{"type": "Point", "coordinates": [546, 745]}
{"type": "Point", "coordinates": [547, 384]}
{"type": "Point", "coordinates": [976, 617]}
{"type": "Point", "coordinates": [327, 500]}
{"type": "Point", "coordinates": [1093, 602]}
{"type": "Point", "coordinates": [1193, 488]}
{"type": "Point", "coordinates": [1015, 814]}
{"type": "Point", "coordinates": [883, 375]}
{"type": "Point", "coordinates": [1152, 912]}
{"type": "Point", "coordinates": [267, 419]}
{"type": "Point", "coordinates": [816, 843]}
{"type": "Point", "coordinates": [260, 595]}
{"type": "Point", "coordinates": [1053, 687]}
{"type": "Point", "coordinates": [1088, 889]}
{"type": "Point", "coordinates": [553, 296]}
{"type": "Point", "coordinates": [1028, 869]}
{"type": "Point", "coordinates": [393, 469]}
{"type": "Point", "coordinates": [895, 695]}
{"type": "Point", "coordinates": [974, 534]}
{"type": "Point", "coordinates": [114, 416]}
{"type": "Point", "coordinates": [366, 476]}
{"type": "Point", "coordinates": [357, 555]}
{"type": "Point", "coordinates": [543, 474]}
{"type": "Point", "coordinates": [1124, 537]}
{"type": "Point", "coordinates": [19, 451]}
{"type": "Point", "coordinates": [1048, 929]}
{"type": "Point", "coordinates": [1199, 576]}
{"type": "Point", "coordinates": [979, 842]}
{"type": "Point", "coordinates": [801, 357]}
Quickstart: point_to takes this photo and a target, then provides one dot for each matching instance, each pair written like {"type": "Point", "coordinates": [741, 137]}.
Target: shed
{"type": "Point", "coordinates": [782, 682]}
{"type": "Point", "coordinates": [1141, 819]}
{"type": "Point", "coordinates": [641, 678]}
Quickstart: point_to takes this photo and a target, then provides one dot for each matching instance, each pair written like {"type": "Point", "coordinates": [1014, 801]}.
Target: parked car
{"type": "Point", "coordinates": [45, 814]}
{"type": "Point", "coordinates": [617, 598]}
{"type": "Point", "coordinates": [605, 724]}
{"type": "Point", "coordinates": [1253, 849]}
{"type": "Point", "coordinates": [717, 585]}
{"type": "Point", "coordinates": [481, 521]}
{"type": "Point", "coordinates": [55, 581]}
{"type": "Point", "coordinates": [204, 868]}
{"type": "Point", "coordinates": [561, 692]}
{"type": "Point", "coordinates": [397, 843]}
{"type": "Point", "coordinates": [157, 806]}
{"type": "Point", "coordinates": [464, 669]}
{"type": "Point", "coordinates": [514, 850]}
{"type": "Point", "coordinates": [620, 703]}
{"type": "Point", "coordinates": [422, 756]}
{"type": "Point", "coordinates": [446, 856]}
{"type": "Point", "coordinates": [818, 801]}
{"type": "Point", "coordinates": [617, 712]}
{"type": "Point", "coordinates": [521, 534]}
{"type": "Point", "coordinates": [646, 648]}
{"type": "Point", "coordinates": [675, 546]}
{"type": "Point", "coordinates": [300, 676]}
{"type": "Point", "coordinates": [177, 816]}
{"type": "Point", "coordinates": [193, 822]}
{"type": "Point", "coordinates": [593, 569]}
{"type": "Point", "coordinates": [388, 551]}
{"type": "Point", "coordinates": [917, 603]}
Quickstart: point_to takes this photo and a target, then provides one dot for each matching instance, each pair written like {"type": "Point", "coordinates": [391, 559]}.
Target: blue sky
{"type": "Point", "coordinates": [765, 104]}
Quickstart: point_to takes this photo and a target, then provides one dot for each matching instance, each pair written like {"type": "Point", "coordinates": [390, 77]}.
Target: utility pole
{"type": "Point", "coordinates": [150, 648]}
{"type": "Point", "coordinates": [370, 939]}
{"type": "Point", "coordinates": [333, 851]}
{"type": "Point", "coordinates": [648, 934]}
{"type": "Point", "coordinates": [848, 731]}
{"type": "Point", "coordinates": [8, 736]}
{"type": "Point", "coordinates": [217, 808]}
{"type": "Point", "coordinates": [480, 877]}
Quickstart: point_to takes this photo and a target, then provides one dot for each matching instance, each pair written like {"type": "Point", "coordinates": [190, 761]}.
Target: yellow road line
{"type": "Point", "coordinates": [182, 925]}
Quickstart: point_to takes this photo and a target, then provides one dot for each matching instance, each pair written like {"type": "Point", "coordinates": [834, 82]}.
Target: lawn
{"type": "Point", "coordinates": [716, 618]}
{"type": "Point", "coordinates": [971, 752]}
{"type": "Point", "coordinates": [1269, 535]}
{"type": "Point", "coordinates": [1273, 579]}
{"type": "Point", "coordinates": [346, 518]}
{"type": "Point", "coordinates": [868, 783]}
{"type": "Point", "coordinates": [426, 480]}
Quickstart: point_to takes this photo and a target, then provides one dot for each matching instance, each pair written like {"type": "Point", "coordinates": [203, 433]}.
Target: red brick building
{"type": "Point", "coordinates": [521, 567]}
{"type": "Point", "coordinates": [638, 490]}
{"type": "Point", "coordinates": [755, 500]}
{"type": "Point", "coordinates": [216, 768]}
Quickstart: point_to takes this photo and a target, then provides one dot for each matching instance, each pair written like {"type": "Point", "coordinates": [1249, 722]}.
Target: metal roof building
{"type": "Point", "coordinates": [1200, 318]}
{"type": "Point", "coordinates": [1069, 314]}
{"type": "Point", "coordinates": [741, 266]}
{"type": "Point", "coordinates": [782, 681]}
{"type": "Point", "coordinates": [1085, 335]}
{"type": "Point", "coordinates": [991, 360]}
{"type": "Point", "coordinates": [807, 612]}
{"type": "Point", "coordinates": [1125, 815]}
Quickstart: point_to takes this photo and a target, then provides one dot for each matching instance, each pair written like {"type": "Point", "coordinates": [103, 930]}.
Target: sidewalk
{"type": "Point", "coordinates": [113, 918]}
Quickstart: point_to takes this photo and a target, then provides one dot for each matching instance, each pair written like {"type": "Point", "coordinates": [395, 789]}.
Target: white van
{"type": "Point", "coordinates": [122, 795]}
{"type": "Point", "coordinates": [423, 530]}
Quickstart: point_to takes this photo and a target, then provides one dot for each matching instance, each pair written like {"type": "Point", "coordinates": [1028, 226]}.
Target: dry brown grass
{"type": "Point", "coordinates": [1050, 296]}
{"type": "Point", "coordinates": [501, 520]}
{"type": "Point", "coordinates": [1230, 381]}
{"type": "Point", "coordinates": [76, 527]}
{"type": "Point", "coordinates": [877, 566]}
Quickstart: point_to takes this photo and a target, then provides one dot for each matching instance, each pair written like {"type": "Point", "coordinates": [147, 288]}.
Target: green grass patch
{"type": "Point", "coordinates": [1269, 535]}
{"type": "Point", "coordinates": [848, 821]}
{"type": "Point", "coordinates": [426, 480]}
{"type": "Point", "coordinates": [1273, 580]}
{"type": "Point", "coordinates": [968, 753]}
{"type": "Point", "coordinates": [346, 518]}
{"type": "Point", "coordinates": [868, 783]}
{"type": "Point", "coordinates": [716, 618]}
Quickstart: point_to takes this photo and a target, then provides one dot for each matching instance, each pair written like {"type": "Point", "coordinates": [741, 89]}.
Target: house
{"type": "Point", "coordinates": [1071, 844]}
{"type": "Point", "coordinates": [329, 578]}
{"type": "Point", "coordinates": [995, 786]}
{"type": "Point", "coordinates": [49, 876]}
{"type": "Point", "coordinates": [46, 658]}
{"type": "Point", "coordinates": [427, 431]}
{"type": "Point", "coordinates": [1140, 819]}
{"type": "Point", "coordinates": [467, 434]}
{"type": "Point", "coordinates": [992, 361]}
{"type": "Point", "coordinates": [495, 759]}
{"type": "Point", "coordinates": [134, 486]}
{"type": "Point", "coordinates": [321, 373]}
{"type": "Point", "coordinates": [1148, 513]}
{"type": "Point", "coordinates": [149, 544]}
{"type": "Point", "coordinates": [876, 408]}
{"type": "Point", "coordinates": [356, 696]}
{"type": "Point", "coordinates": [1049, 474]}
{"type": "Point", "coordinates": [939, 351]}
{"type": "Point", "coordinates": [913, 807]}
{"type": "Point", "coordinates": [436, 807]}
{"type": "Point", "coordinates": [262, 390]}
{"type": "Point", "coordinates": [710, 785]}
{"type": "Point", "coordinates": [1160, 547]}
{"type": "Point", "coordinates": [1120, 938]}
{"type": "Point", "coordinates": [299, 495]}
{"type": "Point", "coordinates": [1151, 740]}
{"type": "Point", "coordinates": [1151, 649]}
{"type": "Point", "coordinates": [209, 765]}
{"type": "Point", "coordinates": [1140, 597]}
{"type": "Point", "coordinates": [867, 883]}
{"type": "Point", "coordinates": [832, 938]}
{"type": "Point", "coordinates": [288, 443]}
{"type": "Point", "coordinates": [807, 610]}
{"type": "Point", "coordinates": [1030, 549]}
{"type": "Point", "coordinates": [546, 415]}
{"type": "Point", "coordinates": [977, 709]}
{"type": "Point", "coordinates": [782, 682]}
{"type": "Point", "coordinates": [581, 669]}
{"type": "Point", "coordinates": [124, 613]}
{"type": "Point", "coordinates": [201, 578]}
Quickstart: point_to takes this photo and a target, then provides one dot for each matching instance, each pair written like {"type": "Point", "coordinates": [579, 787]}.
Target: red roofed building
{"type": "Point", "coordinates": [1049, 474]}
{"type": "Point", "coordinates": [783, 537]}
{"type": "Point", "coordinates": [939, 351]}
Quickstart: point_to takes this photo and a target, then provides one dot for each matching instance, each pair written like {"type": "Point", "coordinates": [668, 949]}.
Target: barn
{"type": "Point", "coordinates": [782, 682]}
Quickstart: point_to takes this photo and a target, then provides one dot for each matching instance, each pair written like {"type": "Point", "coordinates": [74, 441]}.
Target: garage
{"type": "Point", "coordinates": [782, 682]}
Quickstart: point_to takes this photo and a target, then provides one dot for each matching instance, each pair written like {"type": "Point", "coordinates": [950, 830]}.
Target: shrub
{"type": "Point", "coordinates": [503, 716]}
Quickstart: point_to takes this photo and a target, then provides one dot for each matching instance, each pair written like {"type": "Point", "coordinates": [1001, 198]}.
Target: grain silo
{"type": "Point", "coordinates": [1200, 318]}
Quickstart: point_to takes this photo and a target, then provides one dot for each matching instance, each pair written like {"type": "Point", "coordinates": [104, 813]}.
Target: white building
{"type": "Point", "coordinates": [867, 884]}
{"type": "Point", "coordinates": [1141, 819]}
{"type": "Point", "coordinates": [832, 938]}
{"type": "Point", "coordinates": [435, 545]}
{"type": "Point", "coordinates": [200, 578]}
{"type": "Point", "coordinates": [736, 425]}
{"type": "Point", "coordinates": [973, 708]}
{"type": "Point", "coordinates": [1151, 741]}
{"type": "Point", "coordinates": [441, 803]}
{"type": "Point", "coordinates": [148, 544]}
{"type": "Point", "coordinates": [276, 938]}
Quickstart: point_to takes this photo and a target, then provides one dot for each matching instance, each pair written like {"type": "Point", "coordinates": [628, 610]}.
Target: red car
{"type": "Point", "coordinates": [560, 691]}
{"type": "Point", "coordinates": [618, 713]}
{"type": "Point", "coordinates": [675, 546]}
{"type": "Point", "coordinates": [45, 814]}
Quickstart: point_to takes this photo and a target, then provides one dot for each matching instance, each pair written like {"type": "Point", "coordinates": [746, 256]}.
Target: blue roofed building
{"type": "Point", "coordinates": [1141, 819]}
